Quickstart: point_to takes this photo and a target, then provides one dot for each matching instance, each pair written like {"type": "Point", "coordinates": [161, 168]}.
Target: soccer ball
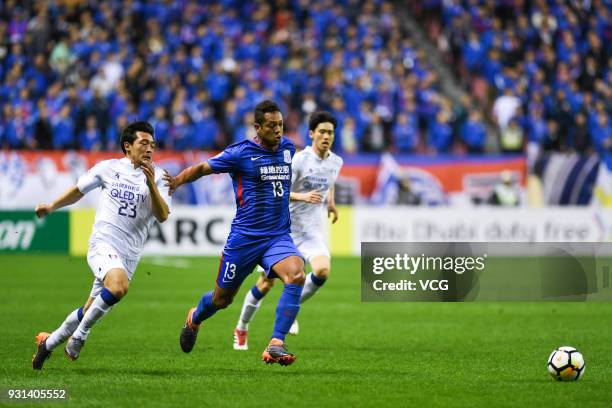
{"type": "Point", "coordinates": [566, 364]}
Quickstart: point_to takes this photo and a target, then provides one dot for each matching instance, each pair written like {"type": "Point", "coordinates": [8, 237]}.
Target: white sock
{"type": "Point", "coordinates": [249, 307]}
{"type": "Point", "coordinates": [65, 330]}
{"type": "Point", "coordinates": [310, 288]}
{"type": "Point", "coordinates": [96, 311]}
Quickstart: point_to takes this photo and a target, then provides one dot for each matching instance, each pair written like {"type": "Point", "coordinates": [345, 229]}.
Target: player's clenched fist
{"type": "Point", "coordinates": [42, 210]}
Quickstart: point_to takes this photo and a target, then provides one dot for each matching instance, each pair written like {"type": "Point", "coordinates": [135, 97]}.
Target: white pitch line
{"type": "Point", "coordinates": [162, 261]}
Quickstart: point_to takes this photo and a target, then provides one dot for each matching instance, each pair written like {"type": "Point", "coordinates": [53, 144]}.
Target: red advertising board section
{"type": "Point", "coordinates": [450, 171]}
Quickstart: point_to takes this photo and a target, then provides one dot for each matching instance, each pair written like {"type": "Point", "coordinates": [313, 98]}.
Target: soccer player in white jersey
{"type": "Point", "coordinates": [314, 173]}
{"type": "Point", "coordinates": [133, 195]}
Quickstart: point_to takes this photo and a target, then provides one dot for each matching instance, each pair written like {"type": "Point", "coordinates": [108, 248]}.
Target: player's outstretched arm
{"type": "Point", "coordinates": [313, 197]}
{"type": "Point", "coordinates": [188, 175]}
{"type": "Point", "coordinates": [71, 196]}
{"type": "Point", "coordinates": [159, 208]}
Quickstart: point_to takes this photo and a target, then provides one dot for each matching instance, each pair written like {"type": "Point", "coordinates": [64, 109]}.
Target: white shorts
{"type": "Point", "coordinates": [101, 259]}
{"type": "Point", "coordinates": [310, 245]}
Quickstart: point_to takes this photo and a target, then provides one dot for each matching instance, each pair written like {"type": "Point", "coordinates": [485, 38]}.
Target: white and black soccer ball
{"type": "Point", "coordinates": [566, 364]}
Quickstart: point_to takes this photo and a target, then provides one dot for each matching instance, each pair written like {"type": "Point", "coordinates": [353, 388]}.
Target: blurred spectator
{"type": "Point", "coordinates": [347, 135]}
{"type": "Point", "coordinates": [61, 57]}
{"type": "Point", "coordinates": [406, 132]}
{"type": "Point", "coordinates": [181, 132]}
{"type": "Point", "coordinates": [43, 132]}
{"type": "Point", "coordinates": [505, 108]}
{"type": "Point", "coordinates": [19, 128]}
{"type": "Point", "coordinates": [113, 133]}
{"type": "Point", "coordinates": [63, 130]}
{"type": "Point", "coordinates": [506, 193]}
{"type": "Point", "coordinates": [580, 134]}
{"type": "Point", "coordinates": [205, 131]}
{"type": "Point", "coordinates": [99, 107]}
{"type": "Point", "coordinates": [563, 115]}
{"type": "Point", "coordinates": [474, 132]}
{"type": "Point", "coordinates": [536, 125]}
{"type": "Point", "coordinates": [554, 137]}
{"type": "Point", "coordinates": [589, 74]}
{"type": "Point", "coordinates": [245, 129]}
{"type": "Point", "coordinates": [374, 135]}
{"type": "Point", "coordinates": [440, 133]}
{"type": "Point", "coordinates": [161, 125]}
{"type": "Point", "coordinates": [90, 138]}
{"type": "Point", "coordinates": [511, 137]}
{"type": "Point", "coordinates": [601, 133]}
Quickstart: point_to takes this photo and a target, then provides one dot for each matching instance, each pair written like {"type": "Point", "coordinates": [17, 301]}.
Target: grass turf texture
{"type": "Point", "coordinates": [353, 353]}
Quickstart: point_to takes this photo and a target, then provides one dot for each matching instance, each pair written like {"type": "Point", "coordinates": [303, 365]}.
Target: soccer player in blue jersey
{"type": "Point", "coordinates": [260, 232]}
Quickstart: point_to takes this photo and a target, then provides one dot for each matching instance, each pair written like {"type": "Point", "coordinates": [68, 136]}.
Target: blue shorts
{"type": "Point", "coordinates": [242, 253]}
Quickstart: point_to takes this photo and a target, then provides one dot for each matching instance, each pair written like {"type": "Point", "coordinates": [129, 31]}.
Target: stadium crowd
{"type": "Point", "coordinates": [544, 67]}
{"type": "Point", "coordinates": [73, 72]}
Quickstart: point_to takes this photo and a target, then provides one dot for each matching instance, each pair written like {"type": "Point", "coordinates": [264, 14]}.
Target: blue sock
{"type": "Point", "coordinates": [316, 280]}
{"type": "Point", "coordinates": [205, 309]}
{"type": "Point", "coordinates": [256, 293]}
{"type": "Point", "coordinates": [108, 297]}
{"type": "Point", "coordinates": [286, 311]}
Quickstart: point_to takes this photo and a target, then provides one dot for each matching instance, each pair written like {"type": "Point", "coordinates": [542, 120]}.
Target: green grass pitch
{"type": "Point", "coordinates": [349, 353]}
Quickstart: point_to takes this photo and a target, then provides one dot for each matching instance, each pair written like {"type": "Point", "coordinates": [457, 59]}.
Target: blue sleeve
{"type": "Point", "coordinates": [226, 161]}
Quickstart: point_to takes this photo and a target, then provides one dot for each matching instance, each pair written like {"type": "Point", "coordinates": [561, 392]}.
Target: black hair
{"type": "Point", "coordinates": [264, 107]}
{"type": "Point", "coordinates": [128, 134]}
{"type": "Point", "coordinates": [319, 117]}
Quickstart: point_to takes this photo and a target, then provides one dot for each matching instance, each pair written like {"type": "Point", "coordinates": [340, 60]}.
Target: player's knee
{"type": "Point", "coordinates": [296, 277]}
{"type": "Point", "coordinates": [118, 287]}
{"type": "Point", "coordinates": [124, 290]}
{"type": "Point", "coordinates": [322, 273]}
{"type": "Point", "coordinates": [116, 281]}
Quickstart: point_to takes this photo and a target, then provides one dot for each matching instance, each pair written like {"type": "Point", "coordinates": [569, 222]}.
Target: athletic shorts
{"type": "Point", "coordinates": [242, 253]}
{"type": "Point", "coordinates": [310, 245]}
{"type": "Point", "coordinates": [102, 258]}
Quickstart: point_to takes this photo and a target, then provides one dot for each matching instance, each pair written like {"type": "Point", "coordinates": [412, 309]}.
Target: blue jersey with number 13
{"type": "Point", "coordinates": [262, 182]}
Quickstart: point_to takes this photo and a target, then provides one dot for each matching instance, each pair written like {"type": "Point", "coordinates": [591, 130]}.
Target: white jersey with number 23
{"type": "Point", "coordinates": [124, 215]}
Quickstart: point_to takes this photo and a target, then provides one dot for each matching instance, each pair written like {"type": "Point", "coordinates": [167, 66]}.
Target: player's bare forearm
{"type": "Point", "coordinates": [296, 196]}
{"type": "Point", "coordinates": [331, 205]}
{"type": "Point", "coordinates": [158, 205]}
{"type": "Point", "coordinates": [159, 208]}
{"type": "Point", "coordinates": [192, 173]}
{"type": "Point", "coordinates": [331, 201]}
{"type": "Point", "coordinates": [313, 197]}
{"type": "Point", "coordinates": [71, 196]}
